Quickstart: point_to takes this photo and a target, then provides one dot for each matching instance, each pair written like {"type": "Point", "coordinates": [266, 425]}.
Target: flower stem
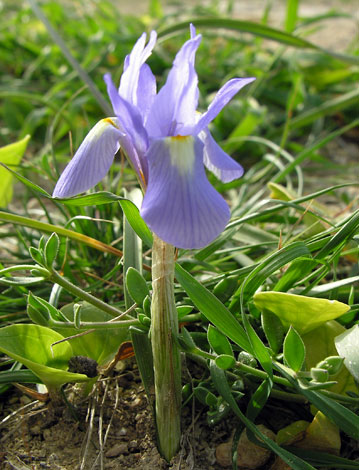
{"type": "Point", "coordinates": [166, 354]}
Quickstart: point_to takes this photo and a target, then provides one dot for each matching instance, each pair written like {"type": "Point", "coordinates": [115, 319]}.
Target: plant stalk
{"type": "Point", "coordinates": [166, 353]}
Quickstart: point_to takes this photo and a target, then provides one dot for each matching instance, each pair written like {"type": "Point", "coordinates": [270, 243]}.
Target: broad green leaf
{"type": "Point", "coordinates": [10, 155]}
{"type": "Point", "coordinates": [224, 361]}
{"type": "Point", "coordinates": [303, 313]}
{"type": "Point", "coordinates": [293, 350]}
{"type": "Point", "coordinates": [100, 345]}
{"type": "Point", "coordinates": [320, 344]}
{"type": "Point", "coordinates": [212, 308]}
{"type": "Point", "coordinates": [218, 341]}
{"type": "Point", "coordinates": [136, 285]}
{"type": "Point", "coordinates": [31, 345]}
{"type": "Point", "coordinates": [322, 435]}
{"type": "Point", "coordinates": [347, 344]}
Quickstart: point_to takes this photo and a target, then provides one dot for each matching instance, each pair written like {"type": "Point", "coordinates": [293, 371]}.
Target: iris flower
{"type": "Point", "coordinates": [168, 144]}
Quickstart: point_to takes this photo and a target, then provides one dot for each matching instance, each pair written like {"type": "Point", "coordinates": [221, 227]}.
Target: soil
{"type": "Point", "coordinates": [115, 430]}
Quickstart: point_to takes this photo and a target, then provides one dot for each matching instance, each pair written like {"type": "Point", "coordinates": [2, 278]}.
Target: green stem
{"type": "Point", "coordinates": [166, 354]}
{"type": "Point", "coordinates": [57, 279]}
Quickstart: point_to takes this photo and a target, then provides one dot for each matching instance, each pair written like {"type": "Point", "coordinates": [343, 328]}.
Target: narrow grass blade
{"type": "Point", "coordinates": [71, 59]}
{"type": "Point", "coordinates": [50, 228]}
{"type": "Point", "coordinates": [212, 308]}
{"type": "Point", "coordinates": [221, 384]}
{"type": "Point", "coordinates": [256, 29]}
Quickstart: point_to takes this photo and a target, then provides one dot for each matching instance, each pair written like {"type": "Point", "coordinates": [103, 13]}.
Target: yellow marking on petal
{"type": "Point", "coordinates": [110, 121]}
{"type": "Point", "coordinates": [181, 149]}
{"type": "Point", "coordinates": [180, 137]}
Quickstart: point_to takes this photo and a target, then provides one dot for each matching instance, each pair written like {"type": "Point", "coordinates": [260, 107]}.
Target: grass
{"type": "Point", "coordinates": [294, 224]}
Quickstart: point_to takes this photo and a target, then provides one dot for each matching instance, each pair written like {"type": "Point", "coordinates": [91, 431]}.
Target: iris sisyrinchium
{"type": "Point", "coordinates": [168, 144]}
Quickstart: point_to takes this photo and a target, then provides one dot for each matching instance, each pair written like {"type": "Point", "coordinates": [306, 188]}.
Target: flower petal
{"type": "Point", "coordinates": [223, 96]}
{"type": "Point", "coordinates": [92, 160]}
{"type": "Point", "coordinates": [174, 109]}
{"type": "Point", "coordinates": [129, 83]}
{"type": "Point", "coordinates": [180, 205]}
{"type": "Point", "coordinates": [218, 161]}
{"type": "Point", "coordinates": [146, 91]}
{"type": "Point", "coordinates": [135, 142]}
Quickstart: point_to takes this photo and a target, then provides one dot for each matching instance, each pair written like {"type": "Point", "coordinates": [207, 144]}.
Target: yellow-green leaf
{"type": "Point", "coordinates": [303, 313]}
{"type": "Point", "coordinates": [11, 156]}
{"type": "Point", "coordinates": [319, 344]}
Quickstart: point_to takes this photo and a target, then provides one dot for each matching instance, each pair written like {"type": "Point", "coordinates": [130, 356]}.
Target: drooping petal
{"type": "Point", "coordinates": [218, 161]}
{"type": "Point", "coordinates": [180, 205]}
{"type": "Point", "coordinates": [173, 110]}
{"type": "Point", "coordinates": [131, 122]}
{"type": "Point", "coordinates": [92, 160]}
{"type": "Point", "coordinates": [223, 96]}
{"type": "Point", "coordinates": [129, 83]}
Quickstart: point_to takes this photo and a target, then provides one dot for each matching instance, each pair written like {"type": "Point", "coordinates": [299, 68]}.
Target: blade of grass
{"type": "Point", "coordinates": [71, 59]}
{"type": "Point", "coordinates": [258, 30]}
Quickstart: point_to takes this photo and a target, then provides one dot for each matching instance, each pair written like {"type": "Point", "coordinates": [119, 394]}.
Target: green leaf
{"type": "Point", "coordinates": [51, 249]}
{"type": "Point", "coordinates": [10, 155]}
{"type": "Point", "coordinates": [342, 236]}
{"type": "Point", "coordinates": [319, 344]}
{"type": "Point", "coordinates": [273, 329]}
{"type": "Point", "coordinates": [218, 341]}
{"type": "Point", "coordinates": [92, 199]}
{"type": "Point", "coordinates": [257, 29]}
{"type": "Point", "coordinates": [303, 313]}
{"type": "Point", "coordinates": [347, 345]}
{"type": "Point", "coordinates": [101, 344]}
{"type": "Point", "coordinates": [267, 267]}
{"type": "Point", "coordinates": [293, 350]}
{"type": "Point", "coordinates": [31, 345]}
{"type": "Point", "coordinates": [212, 308]}
{"type": "Point", "coordinates": [143, 352]}
{"type": "Point", "coordinates": [136, 286]}
{"type": "Point", "coordinates": [259, 399]}
{"type": "Point", "coordinates": [132, 246]}
{"type": "Point", "coordinates": [225, 361]}
{"type": "Point", "coordinates": [137, 223]}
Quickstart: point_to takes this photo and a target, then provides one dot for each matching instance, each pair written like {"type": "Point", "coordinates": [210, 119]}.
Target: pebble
{"type": "Point", "coordinates": [117, 450]}
{"type": "Point", "coordinates": [249, 455]}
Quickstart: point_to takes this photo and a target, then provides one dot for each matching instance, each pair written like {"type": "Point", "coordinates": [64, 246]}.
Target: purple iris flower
{"type": "Point", "coordinates": [168, 144]}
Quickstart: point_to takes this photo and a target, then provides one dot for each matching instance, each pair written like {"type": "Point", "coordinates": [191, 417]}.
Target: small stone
{"type": "Point", "coordinates": [122, 432]}
{"type": "Point", "coordinates": [249, 455]}
{"type": "Point", "coordinates": [117, 450]}
{"type": "Point", "coordinates": [133, 445]}
{"type": "Point", "coordinates": [35, 430]}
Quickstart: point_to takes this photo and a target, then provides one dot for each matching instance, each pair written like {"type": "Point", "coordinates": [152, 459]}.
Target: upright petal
{"type": "Point", "coordinates": [129, 83]}
{"type": "Point", "coordinates": [131, 122]}
{"type": "Point", "coordinates": [92, 160]}
{"type": "Point", "coordinates": [180, 205]}
{"type": "Point", "coordinates": [173, 110]}
{"type": "Point", "coordinates": [224, 95]}
{"type": "Point", "coordinates": [218, 161]}
{"type": "Point", "coordinates": [146, 91]}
